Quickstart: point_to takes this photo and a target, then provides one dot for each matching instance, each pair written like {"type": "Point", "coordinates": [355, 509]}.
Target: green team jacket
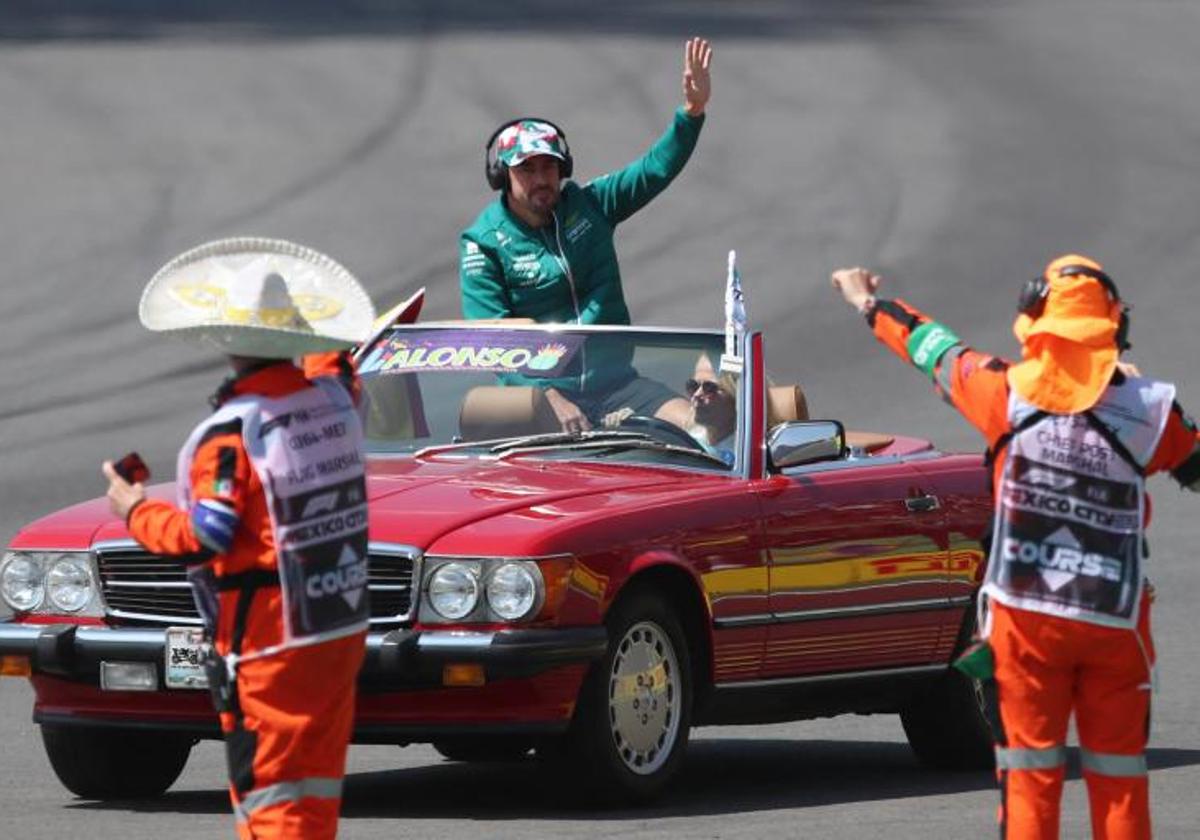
{"type": "Point", "coordinates": [508, 269]}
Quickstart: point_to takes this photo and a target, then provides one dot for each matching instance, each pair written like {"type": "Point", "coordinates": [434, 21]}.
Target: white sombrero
{"type": "Point", "coordinates": [258, 297]}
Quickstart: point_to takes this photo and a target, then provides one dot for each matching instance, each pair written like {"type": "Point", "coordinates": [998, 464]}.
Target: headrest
{"type": "Point", "coordinates": [785, 404]}
{"type": "Point", "coordinates": [496, 411]}
{"type": "Point", "coordinates": [868, 441]}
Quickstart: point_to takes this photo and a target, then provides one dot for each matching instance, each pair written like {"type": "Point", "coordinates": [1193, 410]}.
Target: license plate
{"type": "Point", "coordinates": [185, 655]}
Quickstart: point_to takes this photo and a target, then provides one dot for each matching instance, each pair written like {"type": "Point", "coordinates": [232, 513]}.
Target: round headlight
{"type": "Point", "coordinates": [453, 590]}
{"type": "Point", "coordinates": [21, 583]}
{"type": "Point", "coordinates": [69, 584]}
{"type": "Point", "coordinates": [512, 591]}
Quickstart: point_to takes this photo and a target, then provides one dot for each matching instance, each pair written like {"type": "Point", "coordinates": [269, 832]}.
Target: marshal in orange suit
{"type": "Point", "coordinates": [1072, 435]}
{"type": "Point", "coordinates": [271, 517]}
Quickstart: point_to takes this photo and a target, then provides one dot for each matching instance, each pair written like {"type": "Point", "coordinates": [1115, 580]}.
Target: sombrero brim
{"type": "Point", "coordinates": [186, 298]}
{"type": "Point", "coordinates": [260, 342]}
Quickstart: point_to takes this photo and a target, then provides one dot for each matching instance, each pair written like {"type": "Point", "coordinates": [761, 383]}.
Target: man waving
{"type": "Point", "coordinates": [544, 248]}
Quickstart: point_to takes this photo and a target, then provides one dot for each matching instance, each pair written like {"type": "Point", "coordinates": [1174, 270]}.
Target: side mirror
{"type": "Point", "coordinates": [794, 444]}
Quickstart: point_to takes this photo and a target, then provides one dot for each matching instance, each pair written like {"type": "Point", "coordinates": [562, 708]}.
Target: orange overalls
{"type": "Point", "coordinates": [287, 717]}
{"type": "Point", "coordinates": [1048, 665]}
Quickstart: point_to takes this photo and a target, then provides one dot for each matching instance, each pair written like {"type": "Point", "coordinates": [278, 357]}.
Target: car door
{"type": "Point", "coordinates": [962, 485]}
{"type": "Point", "coordinates": [857, 557]}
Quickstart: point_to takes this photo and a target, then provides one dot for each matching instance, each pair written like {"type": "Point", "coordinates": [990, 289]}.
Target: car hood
{"type": "Point", "coordinates": [416, 502]}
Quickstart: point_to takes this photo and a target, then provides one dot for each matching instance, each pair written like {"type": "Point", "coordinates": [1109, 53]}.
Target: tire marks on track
{"type": "Point", "coordinates": [206, 365]}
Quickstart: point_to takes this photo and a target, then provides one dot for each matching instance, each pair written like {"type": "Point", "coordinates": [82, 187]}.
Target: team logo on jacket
{"type": "Point", "coordinates": [1060, 558]}
{"type": "Point", "coordinates": [348, 580]}
{"type": "Point", "coordinates": [526, 270]}
{"type": "Point", "coordinates": [577, 228]}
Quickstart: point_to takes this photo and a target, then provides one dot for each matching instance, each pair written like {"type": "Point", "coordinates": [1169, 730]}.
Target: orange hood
{"type": "Point", "coordinates": [1069, 351]}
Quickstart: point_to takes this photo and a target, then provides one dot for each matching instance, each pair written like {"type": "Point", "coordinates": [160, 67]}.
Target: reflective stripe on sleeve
{"type": "Point", "coordinates": [944, 373]}
{"type": "Point", "coordinates": [1112, 764]}
{"type": "Point", "coordinates": [1016, 758]}
{"type": "Point", "coordinates": [315, 787]}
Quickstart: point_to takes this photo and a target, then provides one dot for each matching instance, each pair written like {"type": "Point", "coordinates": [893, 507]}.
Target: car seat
{"type": "Point", "coordinates": [785, 404]}
{"type": "Point", "coordinates": [499, 411]}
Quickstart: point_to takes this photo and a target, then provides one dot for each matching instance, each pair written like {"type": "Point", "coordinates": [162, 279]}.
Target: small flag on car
{"type": "Point", "coordinates": [735, 318]}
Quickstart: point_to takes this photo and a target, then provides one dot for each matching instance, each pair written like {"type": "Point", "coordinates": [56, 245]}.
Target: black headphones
{"type": "Point", "coordinates": [497, 172]}
{"type": "Point", "coordinates": [1034, 293]}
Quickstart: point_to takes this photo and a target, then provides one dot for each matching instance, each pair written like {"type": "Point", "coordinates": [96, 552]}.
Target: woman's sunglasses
{"type": "Point", "coordinates": [708, 387]}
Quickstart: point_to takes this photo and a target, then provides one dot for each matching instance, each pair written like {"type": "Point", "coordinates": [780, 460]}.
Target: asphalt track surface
{"type": "Point", "coordinates": [954, 146]}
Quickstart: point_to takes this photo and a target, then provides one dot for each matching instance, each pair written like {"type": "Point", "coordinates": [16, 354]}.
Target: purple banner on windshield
{"type": "Point", "coordinates": [420, 351]}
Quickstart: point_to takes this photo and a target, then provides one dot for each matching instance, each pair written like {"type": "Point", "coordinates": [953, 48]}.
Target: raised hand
{"type": "Point", "coordinates": [697, 84]}
{"type": "Point", "coordinates": [857, 285]}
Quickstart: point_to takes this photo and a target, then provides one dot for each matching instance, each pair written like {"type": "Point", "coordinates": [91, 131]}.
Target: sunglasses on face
{"type": "Point", "coordinates": [706, 386]}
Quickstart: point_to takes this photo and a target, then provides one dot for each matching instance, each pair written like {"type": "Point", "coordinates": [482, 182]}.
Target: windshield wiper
{"type": "Point", "coordinates": [441, 448]}
{"type": "Point", "coordinates": [626, 441]}
{"type": "Point", "coordinates": [503, 444]}
{"type": "Point", "coordinates": [555, 439]}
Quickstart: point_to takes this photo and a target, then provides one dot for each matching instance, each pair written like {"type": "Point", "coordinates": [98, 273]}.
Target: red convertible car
{"type": "Point", "coordinates": [591, 596]}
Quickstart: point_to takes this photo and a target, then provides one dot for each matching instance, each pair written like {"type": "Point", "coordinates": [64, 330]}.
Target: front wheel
{"type": "Point", "coordinates": [631, 725]}
{"type": "Point", "coordinates": [115, 763]}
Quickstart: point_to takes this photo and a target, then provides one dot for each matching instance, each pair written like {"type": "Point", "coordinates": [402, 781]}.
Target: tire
{"type": "Point", "coordinates": [484, 748]}
{"type": "Point", "coordinates": [631, 725]}
{"type": "Point", "coordinates": [945, 723]}
{"type": "Point", "coordinates": [115, 763]}
{"type": "Point", "coordinates": [946, 727]}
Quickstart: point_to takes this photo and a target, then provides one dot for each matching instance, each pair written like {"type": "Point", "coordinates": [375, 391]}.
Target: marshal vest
{"type": "Point", "coordinates": [306, 449]}
{"type": "Point", "coordinates": [1068, 533]}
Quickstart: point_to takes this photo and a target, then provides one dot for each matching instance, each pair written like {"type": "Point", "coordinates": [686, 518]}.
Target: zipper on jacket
{"type": "Point", "coordinates": [565, 264]}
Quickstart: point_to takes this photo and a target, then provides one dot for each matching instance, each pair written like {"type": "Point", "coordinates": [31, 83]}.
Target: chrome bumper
{"type": "Point", "coordinates": [393, 658]}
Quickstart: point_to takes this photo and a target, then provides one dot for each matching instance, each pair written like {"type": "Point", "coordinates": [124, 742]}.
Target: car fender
{"type": "Point", "coordinates": [664, 567]}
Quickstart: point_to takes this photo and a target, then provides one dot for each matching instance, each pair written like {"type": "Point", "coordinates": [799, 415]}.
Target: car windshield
{"type": "Point", "coordinates": [651, 396]}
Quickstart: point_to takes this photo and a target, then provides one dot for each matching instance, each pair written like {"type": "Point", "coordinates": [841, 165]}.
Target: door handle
{"type": "Point", "coordinates": [922, 504]}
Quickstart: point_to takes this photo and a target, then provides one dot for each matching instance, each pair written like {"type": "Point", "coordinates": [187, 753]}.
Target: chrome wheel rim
{"type": "Point", "coordinates": [644, 698]}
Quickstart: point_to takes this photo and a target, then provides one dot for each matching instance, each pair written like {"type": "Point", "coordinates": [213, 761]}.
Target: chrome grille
{"type": "Point", "coordinates": [147, 589]}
